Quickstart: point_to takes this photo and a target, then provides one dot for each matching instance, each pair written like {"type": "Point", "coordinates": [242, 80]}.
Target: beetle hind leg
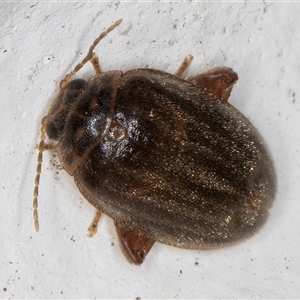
{"type": "Point", "coordinates": [216, 81]}
{"type": "Point", "coordinates": [134, 244]}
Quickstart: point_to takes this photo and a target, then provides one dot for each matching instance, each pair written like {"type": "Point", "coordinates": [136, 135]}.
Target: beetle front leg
{"type": "Point", "coordinates": [95, 62]}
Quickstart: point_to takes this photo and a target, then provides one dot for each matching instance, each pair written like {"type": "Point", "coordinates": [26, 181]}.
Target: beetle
{"type": "Point", "coordinates": [167, 158]}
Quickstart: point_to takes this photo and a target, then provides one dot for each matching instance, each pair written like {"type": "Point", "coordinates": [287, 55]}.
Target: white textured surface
{"type": "Point", "coordinates": [40, 43]}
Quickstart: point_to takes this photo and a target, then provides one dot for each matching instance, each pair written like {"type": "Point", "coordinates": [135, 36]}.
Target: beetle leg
{"type": "Point", "coordinates": [134, 244]}
{"type": "Point", "coordinates": [95, 62]}
{"type": "Point", "coordinates": [217, 81]}
{"type": "Point", "coordinates": [184, 65]}
{"type": "Point", "coordinates": [92, 230]}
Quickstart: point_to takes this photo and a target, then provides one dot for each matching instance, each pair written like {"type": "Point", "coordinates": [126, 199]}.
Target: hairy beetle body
{"type": "Point", "coordinates": [168, 159]}
{"type": "Point", "coordinates": [159, 155]}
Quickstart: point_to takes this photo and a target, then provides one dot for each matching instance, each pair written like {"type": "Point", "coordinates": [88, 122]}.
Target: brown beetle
{"type": "Point", "coordinates": [168, 159]}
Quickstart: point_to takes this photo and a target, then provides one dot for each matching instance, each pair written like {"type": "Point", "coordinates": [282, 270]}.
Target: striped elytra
{"type": "Point", "coordinates": [167, 158]}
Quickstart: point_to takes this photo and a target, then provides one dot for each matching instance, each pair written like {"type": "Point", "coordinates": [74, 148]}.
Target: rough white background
{"type": "Point", "coordinates": [40, 43]}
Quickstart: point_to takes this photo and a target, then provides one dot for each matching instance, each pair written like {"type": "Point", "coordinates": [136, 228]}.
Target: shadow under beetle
{"type": "Point", "coordinates": [168, 159]}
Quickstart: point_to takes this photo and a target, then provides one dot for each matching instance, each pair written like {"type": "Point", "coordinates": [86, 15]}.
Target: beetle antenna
{"type": "Point", "coordinates": [41, 148]}
{"type": "Point", "coordinates": [42, 145]}
{"type": "Point", "coordinates": [89, 55]}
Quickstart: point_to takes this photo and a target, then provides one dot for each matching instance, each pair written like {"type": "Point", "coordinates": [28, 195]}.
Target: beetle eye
{"type": "Point", "coordinates": [51, 131]}
{"type": "Point", "coordinates": [76, 85]}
